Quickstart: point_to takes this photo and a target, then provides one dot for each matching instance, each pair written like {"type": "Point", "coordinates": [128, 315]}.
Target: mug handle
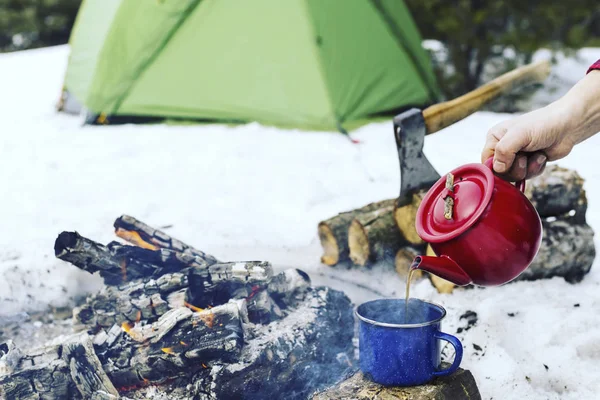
{"type": "Point", "coordinates": [458, 353]}
{"type": "Point", "coordinates": [519, 185]}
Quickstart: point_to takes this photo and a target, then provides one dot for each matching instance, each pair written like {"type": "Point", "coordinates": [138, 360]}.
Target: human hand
{"type": "Point", "coordinates": [521, 146]}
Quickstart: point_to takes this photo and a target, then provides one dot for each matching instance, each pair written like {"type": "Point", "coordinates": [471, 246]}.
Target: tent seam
{"type": "Point", "coordinates": [185, 15]}
{"type": "Point", "coordinates": [338, 122]}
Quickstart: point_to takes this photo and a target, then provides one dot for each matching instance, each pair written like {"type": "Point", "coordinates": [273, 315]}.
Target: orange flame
{"type": "Point", "coordinates": [183, 343]}
{"type": "Point", "coordinates": [134, 238]}
{"type": "Point", "coordinates": [127, 326]}
{"type": "Point", "coordinates": [123, 265]}
{"type": "Point", "coordinates": [168, 350]}
{"type": "Point", "coordinates": [208, 319]}
{"type": "Point", "coordinates": [204, 366]}
{"type": "Point", "coordinates": [193, 307]}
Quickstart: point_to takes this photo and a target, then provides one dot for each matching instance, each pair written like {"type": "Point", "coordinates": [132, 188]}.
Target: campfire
{"type": "Point", "coordinates": [173, 321]}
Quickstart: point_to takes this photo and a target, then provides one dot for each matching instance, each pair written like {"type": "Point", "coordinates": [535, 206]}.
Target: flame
{"type": "Point", "coordinates": [255, 290]}
{"type": "Point", "coordinates": [208, 319]}
{"type": "Point", "coordinates": [193, 307]}
{"type": "Point", "coordinates": [134, 238]}
{"type": "Point", "coordinates": [168, 350]}
{"type": "Point", "coordinates": [204, 366]}
{"type": "Point", "coordinates": [183, 343]}
{"type": "Point", "coordinates": [127, 327]}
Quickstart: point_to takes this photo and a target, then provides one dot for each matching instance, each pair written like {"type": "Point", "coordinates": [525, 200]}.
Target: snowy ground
{"type": "Point", "coordinates": [251, 192]}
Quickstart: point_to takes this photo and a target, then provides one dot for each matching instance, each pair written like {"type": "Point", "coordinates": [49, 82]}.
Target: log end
{"type": "Point", "coordinates": [405, 217]}
{"type": "Point", "coordinates": [358, 243]}
{"type": "Point", "coordinates": [64, 241]}
{"type": "Point", "coordinates": [331, 250]}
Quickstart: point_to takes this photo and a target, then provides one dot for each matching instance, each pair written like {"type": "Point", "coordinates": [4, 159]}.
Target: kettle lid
{"type": "Point", "coordinates": [454, 203]}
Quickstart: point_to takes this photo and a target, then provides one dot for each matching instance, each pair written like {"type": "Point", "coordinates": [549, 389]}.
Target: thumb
{"type": "Point", "coordinates": [512, 140]}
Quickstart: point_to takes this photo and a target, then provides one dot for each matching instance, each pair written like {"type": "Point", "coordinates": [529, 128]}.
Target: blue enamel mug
{"type": "Point", "coordinates": [399, 349]}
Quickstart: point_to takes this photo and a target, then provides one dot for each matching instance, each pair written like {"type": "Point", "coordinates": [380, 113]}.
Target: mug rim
{"type": "Point", "coordinates": [390, 325]}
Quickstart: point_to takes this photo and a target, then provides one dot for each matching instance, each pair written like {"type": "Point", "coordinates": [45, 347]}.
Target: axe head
{"type": "Point", "coordinates": [416, 172]}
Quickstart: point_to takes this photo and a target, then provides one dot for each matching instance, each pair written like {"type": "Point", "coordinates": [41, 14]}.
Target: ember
{"type": "Point", "coordinates": [174, 316]}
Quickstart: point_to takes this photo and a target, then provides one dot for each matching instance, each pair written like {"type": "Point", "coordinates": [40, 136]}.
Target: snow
{"type": "Point", "coordinates": [257, 193]}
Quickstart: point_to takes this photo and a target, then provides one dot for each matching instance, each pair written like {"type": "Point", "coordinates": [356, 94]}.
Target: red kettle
{"type": "Point", "coordinates": [483, 229]}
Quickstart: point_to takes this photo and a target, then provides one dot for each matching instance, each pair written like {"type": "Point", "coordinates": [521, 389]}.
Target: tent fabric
{"type": "Point", "coordinates": [309, 64]}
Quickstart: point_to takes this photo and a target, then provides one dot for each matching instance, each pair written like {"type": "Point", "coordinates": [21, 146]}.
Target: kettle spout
{"type": "Point", "coordinates": [444, 267]}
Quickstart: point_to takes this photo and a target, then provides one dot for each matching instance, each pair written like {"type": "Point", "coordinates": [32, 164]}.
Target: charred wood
{"type": "Point", "coordinates": [143, 235]}
{"type": "Point", "coordinates": [118, 263]}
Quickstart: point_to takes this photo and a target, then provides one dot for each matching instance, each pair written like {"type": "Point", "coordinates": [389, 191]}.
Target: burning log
{"type": "Point", "coordinates": [131, 302]}
{"type": "Point", "coordinates": [333, 233]}
{"type": "Point", "coordinates": [222, 281]}
{"type": "Point", "coordinates": [289, 288]}
{"type": "Point", "coordinates": [374, 236]}
{"type": "Point", "coordinates": [460, 385]}
{"type": "Point", "coordinates": [131, 356]}
{"type": "Point", "coordinates": [195, 326]}
{"type": "Point", "coordinates": [118, 263]}
{"type": "Point", "coordinates": [67, 370]}
{"type": "Point", "coordinates": [140, 234]}
{"type": "Point", "coordinates": [203, 353]}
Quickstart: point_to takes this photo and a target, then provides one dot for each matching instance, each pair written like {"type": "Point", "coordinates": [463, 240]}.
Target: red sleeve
{"type": "Point", "coordinates": [595, 65]}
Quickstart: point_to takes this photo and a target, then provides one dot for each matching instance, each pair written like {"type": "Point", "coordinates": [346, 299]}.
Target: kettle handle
{"type": "Point", "coordinates": [519, 185]}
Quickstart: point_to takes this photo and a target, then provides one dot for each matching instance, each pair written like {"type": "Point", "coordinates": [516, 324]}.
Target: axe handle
{"type": "Point", "coordinates": [442, 115]}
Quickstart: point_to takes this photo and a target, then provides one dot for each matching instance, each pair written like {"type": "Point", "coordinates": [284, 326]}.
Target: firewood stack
{"type": "Point", "coordinates": [173, 316]}
{"type": "Point", "coordinates": [381, 232]}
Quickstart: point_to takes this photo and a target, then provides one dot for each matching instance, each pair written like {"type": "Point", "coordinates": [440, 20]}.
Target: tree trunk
{"type": "Point", "coordinates": [333, 233]}
{"type": "Point", "coordinates": [374, 236]}
{"type": "Point", "coordinates": [459, 386]}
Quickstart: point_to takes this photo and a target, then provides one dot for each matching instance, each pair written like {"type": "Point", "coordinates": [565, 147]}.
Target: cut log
{"type": "Point", "coordinates": [459, 386]}
{"type": "Point", "coordinates": [442, 285]}
{"type": "Point", "coordinates": [557, 192]}
{"type": "Point", "coordinates": [403, 261]}
{"type": "Point", "coordinates": [567, 250]}
{"type": "Point", "coordinates": [405, 216]}
{"type": "Point", "coordinates": [333, 233]}
{"type": "Point", "coordinates": [143, 235]}
{"type": "Point", "coordinates": [374, 236]}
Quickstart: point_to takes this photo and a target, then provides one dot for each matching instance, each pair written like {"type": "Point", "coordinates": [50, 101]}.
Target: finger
{"type": "Point", "coordinates": [536, 164]}
{"type": "Point", "coordinates": [518, 170]}
{"type": "Point", "coordinates": [507, 148]}
{"type": "Point", "coordinates": [493, 137]}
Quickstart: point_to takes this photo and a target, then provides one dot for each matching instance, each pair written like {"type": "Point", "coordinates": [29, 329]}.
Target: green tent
{"type": "Point", "coordinates": [309, 64]}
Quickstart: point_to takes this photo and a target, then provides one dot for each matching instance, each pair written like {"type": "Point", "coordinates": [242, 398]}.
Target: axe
{"type": "Point", "coordinates": [417, 175]}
